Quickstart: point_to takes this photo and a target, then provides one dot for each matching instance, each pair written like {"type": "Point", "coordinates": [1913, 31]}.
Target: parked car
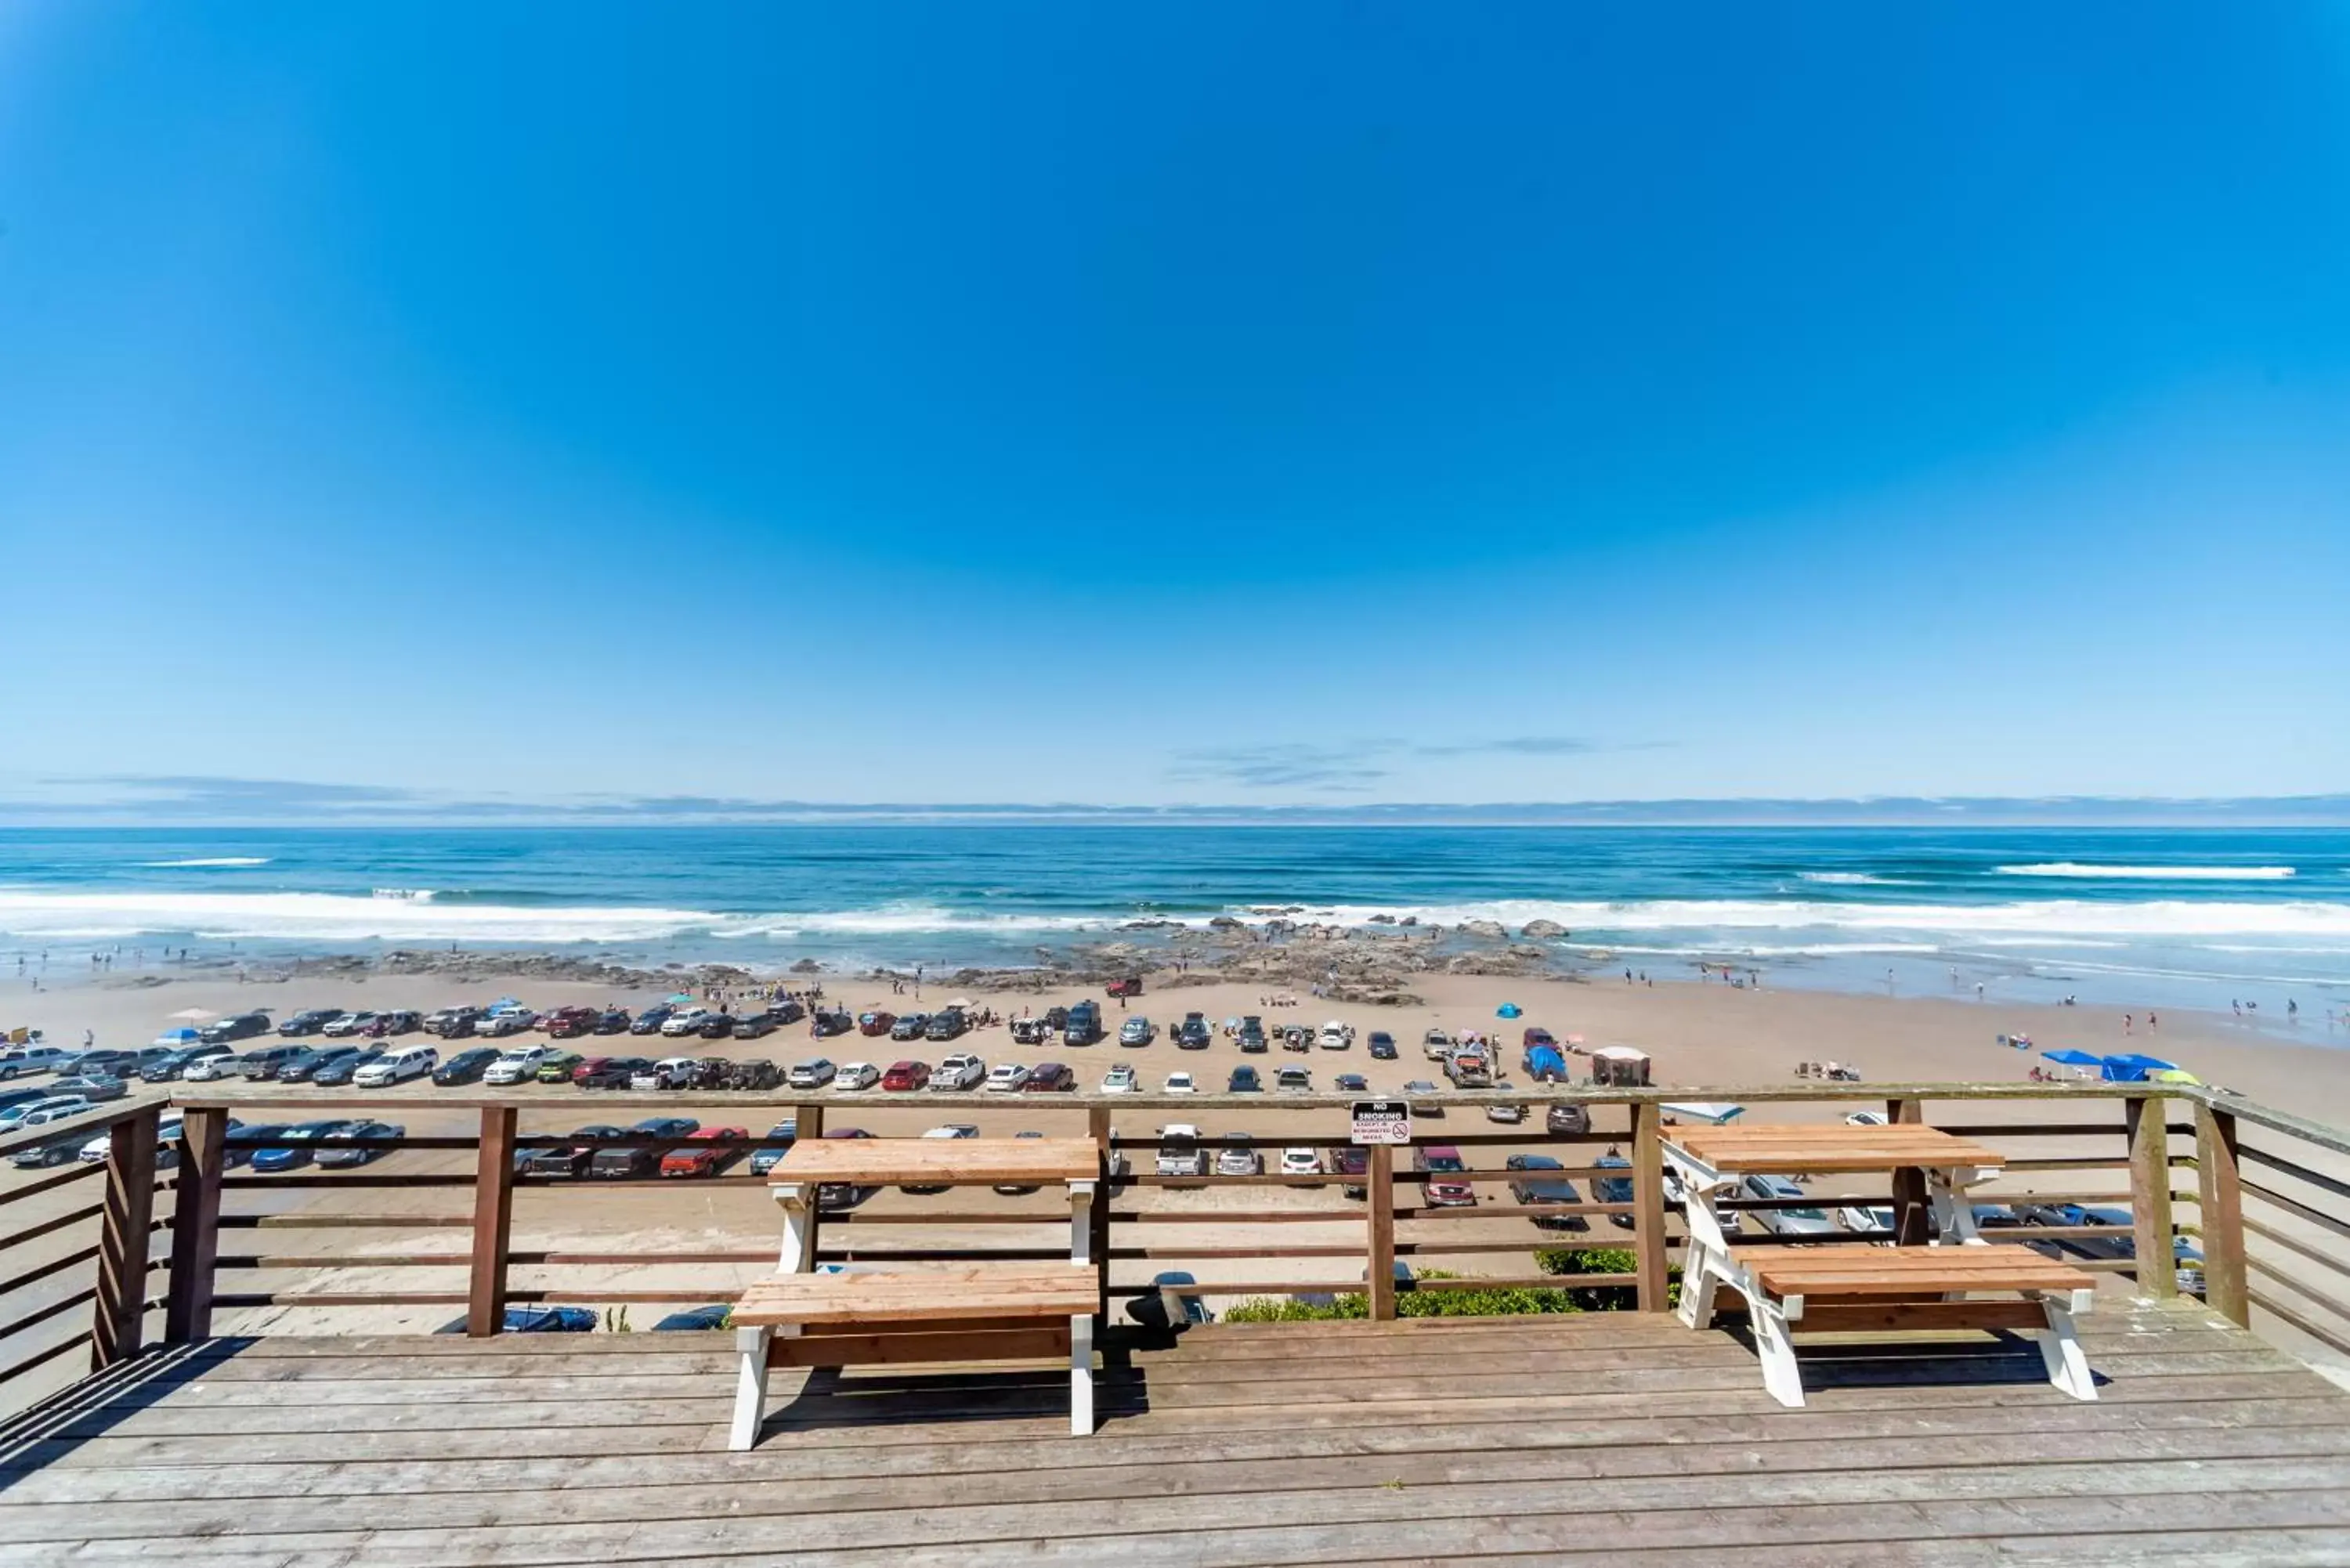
{"type": "Point", "coordinates": [832, 1021]}
{"type": "Point", "coordinates": [1179, 1153]}
{"type": "Point", "coordinates": [755, 1026]}
{"type": "Point", "coordinates": [854, 1075]}
{"type": "Point", "coordinates": [1866, 1119]}
{"type": "Point", "coordinates": [1449, 1186]}
{"type": "Point", "coordinates": [1353, 1166]}
{"type": "Point", "coordinates": [338, 1149]}
{"type": "Point", "coordinates": [558, 1067]}
{"type": "Point", "coordinates": [1290, 1078]}
{"type": "Point", "coordinates": [837, 1195]}
{"type": "Point", "coordinates": [1296, 1037]}
{"type": "Point", "coordinates": [948, 1025]}
{"type": "Point", "coordinates": [907, 1075]}
{"type": "Point", "coordinates": [704, 1153]}
{"type": "Point", "coordinates": [876, 1025]}
{"type": "Point", "coordinates": [1121, 1080]}
{"type": "Point", "coordinates": [1798, 1222]}
{"type": "Point", "coordinates": [1137, 1031]}
{"type": "Point", "coordinates": [1569, 1120]}
{"type": "Point", "coordinates": [1151, 1311]}
{"type": "Point", "coordinates": [345, 1025]}
{"type": "Point", "coordinates": [1856, 1218]}
{"type": "Point", "coordinates": [293, 1148]}
{"type": "Point", "coordinates": [1351, 1083]}
{"type": "Point", "coordinates": [1243, 1080]}
{"type": "Point", "coordinates": [951, 1130]}
{"type": "Point", "coordinates": [1417, 1088]}
{"type": "Point", "coordinates": [1383, 1045]}
{"type": "Point", "coordinates": [396, 1066]}
{"type": "Point", "coordinates": [452, 1022]}
{"type": "Point", "coordinates": [237, 1143]}
{"type": "Point", "coordinates": [612, 1021]}
{"type": "Point", "coordinates": [1018, 1188]}
{"type": "Point", "coordinates": [696, 1319]}
{"type": "Point", "coordinates": [241, 1026]}
{"type": "Point", "coordinates": [1179, 1084]}
{"type": "Point", "coordinates": [1508, 1113]}
{"type": "Point", "coordinates": [571, 1159]}
{"type": "Point", "coordinates": [537, 1320]}
{"type": "Point", "coordinates": [960, 1071]}
{"type": "Point", "coordinates": [1049, 1077]}
{"type": "Point", "coordinates": [681, 1024]}
{"type": "Point", "coordinates": [516, 1064]}
{"type": "Point", "coordinates": [91, 1086]}
{"type": "Point", "coordinates": [1436, 1046]}
{"type": "Point", "coordinates": [19, 1060]}
{"type": "Point", "coordinates": [812, 1073]}
{"type": "Point", "coordinates": [642, 1160]}
{"type": "Point", "coordinates": [1301, 1162]}
{"type": "Point", "coordinates": [57, 1151]}
{"type": "Point", "coordinates": [506, 1018]}
{"type": "Point", "coordinates": [1007, 1077]}
{"type": "Point", "coordinates": [389, 1025]}
{"type": "Point", "coordinates": [1084, 1025]}
{"type": "Point", "coordinates": [1336, 1035]}
{"type": "Point", "coordinates": [780, 1138]}
{"type": "Point", "coordinates": [1192, 1033]}
{"type": "Point", "coordinates": [264, 1063]}
{"type": "Point", "coordinates": [909, 1026]}
{"type": "Point", "coordinates": [466, 1066]}
{"type": "Point", "coordinates": [610, 1071]}
{"type": "Point", "coordinates": [716, 1026]}
{"type": "Point", "coordinates": [570, 1023]}
{"type": "Point", "coordinates": [309, 1021]}
{"type": "Point", "coordinates": [1619, 1189]}
{"type": "Point", "coordinates": [1237, 1158]}
{"type": "Point", "coordinates": [1252, 1040]}
{"type": "Point", "coordinates": [1533, 1186]}
{"type": "Point", "coordinates": [669, 1073]}
{"type": "Point", "coordinates": [1030, 1032]}
{"type": "Point", "coordinates": [653, 1019]}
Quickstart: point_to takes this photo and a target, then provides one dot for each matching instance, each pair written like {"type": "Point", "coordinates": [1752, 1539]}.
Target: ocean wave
{"type": "Point", "coordinates": [1854, 879]}
{"type": "Point", "coordinates": [207, 860]}
{"type": "Point", "coordinates": [2076, 869]}
{"type": "Point", "coordinates": [2044, 917]}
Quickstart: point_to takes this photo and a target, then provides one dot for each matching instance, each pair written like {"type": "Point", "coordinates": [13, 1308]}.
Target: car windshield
{"type": "Point", "coordinates": [1445, 1160]}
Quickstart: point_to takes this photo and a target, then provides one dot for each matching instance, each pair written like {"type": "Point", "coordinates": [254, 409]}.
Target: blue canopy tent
{"type": "Point", "coordinates": [1507, 1010]}
{"type": "Point", "coordinates": [2072, 1058]}
{"type": "Point", "coordinates": [2132, 1069]}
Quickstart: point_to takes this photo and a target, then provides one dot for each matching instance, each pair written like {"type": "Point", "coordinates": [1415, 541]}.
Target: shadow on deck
{"type": "Point", "coordinates": [1573, 1441]}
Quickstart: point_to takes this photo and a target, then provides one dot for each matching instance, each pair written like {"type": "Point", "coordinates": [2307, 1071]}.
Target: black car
{"type": "Point", "coordinates": [464, 1067]}
{"type": "Point", "coordinates": [757, 1026]}
{"type": "Point", "coordinates": [60, 1150]}
{"type": "Point", "coordinates": [615, 1074]}
{"type": "Point", "coordinates": [452, 1022]}
{"type": "Point", "coordinates": [305, 1069]}
{"type": "Point", "coordinates": [909, 1026]}
{"type": "Point", "coordinates": [239, 1144]}
{"type": "Point", "coordinates": [243, 1027]}
{"type": "Point", "coordinates": [703, 1317]}
{"type": "Point", "coordinates": [334, 1075]}
{"type": "Point", "coordinates": [1192, 1034]}
{"type": "Point", "coordinates": [1383, 1045]}
{"type": "Point", "coordinates": [642, 1160]}
{"type": "Point", "coordinates": [1084, 1026]}
{"type": "Point", "coordinates": [788, 1012]}
{"type": "Point", "coordinates": [1243, 1080]}
{"type": "Point", "coordinates": [387, 1024]}
{"type": "Point", "coordinates": [947, 1025]}
{"type": "Point", "coordinates": [338, 1149]}
{"type": "Point", "coordinates": [831, 1195]}
{"type": "Point", "coordinates": [171, 1068]}
{"type": "Point", "coordinates": [570, 1159]}
{"type": "Point", "coordinates": [649, 1020]}
{"type": "Point", "coordinates": [1252, 1040]}
{"type": "Point", "coordinates": [757, 1073]}
{"type": "Point", "coordinates": [825, 1025]}
{"type": "Point", "coordinates": [309, 1021]}
{"type": "Point", "coordinates": [1570, 1120]}
{"type": "Point", "coordinates": [717, 1026]}
{"type": "Point", "coordinates": [612, 1021]}
{"type": "Point", "coordinates": [537, 1320]}
{"type": "Point", "coordinates": [1535, 1187]}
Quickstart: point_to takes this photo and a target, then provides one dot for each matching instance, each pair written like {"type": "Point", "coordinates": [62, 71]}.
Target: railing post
{"type": "Point", "coordinates": [1379, 1176]}
{"type": "Point", "coordinates": [195, 1226]}
{"type": "Point", "coordinates": [126, 1246]}
{"type": "Point", "coordinates": [2220, 1196]}
{"type": "Point", "coordinates": [1913, 1215]}
{"type": "Point", "coordinates": [1649, 1207]}
{"type": "Point", "coordinates": [2149, 1140]}
{"type": "Point", "coordinates": [807, 1121]}
{"type": "Point", "coordinates": [485, 1307]}
{"type": "Point", "coordinates": [1097, 1127]}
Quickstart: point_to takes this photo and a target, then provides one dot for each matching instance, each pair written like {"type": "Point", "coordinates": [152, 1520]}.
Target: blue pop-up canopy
{"type": "Point", "coordinates": [1507, 1010]}
{"type": "Point", "coordinates": [2072, 1058]}
{"type": "Point", "coordinates": [2133, 1068]}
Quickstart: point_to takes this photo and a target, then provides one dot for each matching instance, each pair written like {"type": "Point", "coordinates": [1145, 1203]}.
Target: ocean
{"type": "Point", "coordinates": [2198, 918]}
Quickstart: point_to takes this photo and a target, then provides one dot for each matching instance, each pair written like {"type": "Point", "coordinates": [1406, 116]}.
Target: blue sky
{"type": "Point", "coordinates": [1255, 404]}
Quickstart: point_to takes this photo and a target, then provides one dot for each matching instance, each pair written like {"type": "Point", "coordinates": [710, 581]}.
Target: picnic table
{"type": "Point", "coordinates": [840, 1317]}
{"type": "Point", "coordinates": [1844, 1286]}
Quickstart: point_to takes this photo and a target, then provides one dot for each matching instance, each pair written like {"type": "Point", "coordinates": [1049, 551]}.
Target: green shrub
{"type": "Point", "coordinates": [1596, 1259]}
{"type": "Point", "coordinates": [1507, 1303]}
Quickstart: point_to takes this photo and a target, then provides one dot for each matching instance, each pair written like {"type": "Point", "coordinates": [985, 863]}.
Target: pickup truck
{"type": "Point", "coordinates": [960, 1071]}
{"type": "Point", "coordinates": [1180, 1152]}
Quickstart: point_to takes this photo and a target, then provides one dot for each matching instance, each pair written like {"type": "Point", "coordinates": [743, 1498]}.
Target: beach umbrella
{"type": "Point", "coordinates": [195, 1014]}
{"type": "Point", "coordinates": [2176, 1075]}
{"type": "Point", "coordinates": [1508, 1010]}
{"type": "Point", "coordinates": [677, 996]}
{"type": "Point", "coordinates": [961, 1001]}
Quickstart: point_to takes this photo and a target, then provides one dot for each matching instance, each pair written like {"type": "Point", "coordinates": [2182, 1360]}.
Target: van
{"type": "Point", "coordinates": [1084, 1026]}
{"type": "Point", "coordinates": [396, 1067]}
{"type": "Point", "coordinates": [261, 1063]}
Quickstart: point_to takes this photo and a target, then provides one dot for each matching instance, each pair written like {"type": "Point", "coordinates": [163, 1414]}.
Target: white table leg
{"type": "Point", "coordinates": [750, 1386]}
{"type": "Point", "coordinates": [2068, 1368]}
{"type": "Point", "coordinates": [1781, 1378]}
{"type": "Point", "coordinates": [1081, 1374]}
{"type": "Point", "coordinates": [1081, 1228]}
{"type": "Point", "coordinates": [1700, 1276]}
{"type": "Point", "coordinates": [1954, 1213]}
{"type": "Point", "coordinates": [798, 1257]}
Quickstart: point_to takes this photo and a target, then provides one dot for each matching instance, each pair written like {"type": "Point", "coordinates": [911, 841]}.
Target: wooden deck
{"type": "Point", "coordinates": [1607, 1438]}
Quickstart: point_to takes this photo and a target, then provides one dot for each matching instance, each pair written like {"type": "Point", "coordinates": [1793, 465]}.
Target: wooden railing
{"type": "Point", "coordinates": [2264, 1195]}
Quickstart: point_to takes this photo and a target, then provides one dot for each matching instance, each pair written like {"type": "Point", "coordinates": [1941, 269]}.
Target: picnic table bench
{"type": "Point", "coordinates": [1855, 1287]}
{"type": "Point", "coordinates": [1012, 1311]}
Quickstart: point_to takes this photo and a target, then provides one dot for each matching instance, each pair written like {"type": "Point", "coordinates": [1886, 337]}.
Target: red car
{"type": "Point", "coordinates": [570, 1023]}
{"type": "Point", "coordinates": [701, 1154]}
{"type": "Point", "coordinates": [1538, 1035]}
{"type": "Point", "coordinates": [876, 1023]}
{"type": "Point", "coordinates": [1449, 1186]}
{"type": "Point", "coordinates": [1048, 1077]}
{"type": "Point", "coordinates": [906, 1075]}
{"type": "Point", "coordinates": [589, 1065]}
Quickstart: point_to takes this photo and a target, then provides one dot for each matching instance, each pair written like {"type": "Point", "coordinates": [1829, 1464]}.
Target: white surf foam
{"type": "Point", "coordinates": [2076, 869]}
{"type": "Point", "coordinates": [2046, 918]}
{"type": "Point", "coordinates": [1853, 880]}
{"type": "Point", "coordinates": [208, 860]}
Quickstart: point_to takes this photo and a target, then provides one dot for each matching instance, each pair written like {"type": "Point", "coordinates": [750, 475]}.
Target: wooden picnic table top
{"type": "Point", "coordinates": [1898, 1271]}
{"type": "Point", "coordinates": [1016, 1290]}
{"type": "Point", "coordinates": [957, 1161]}
{"type": "Point", "coordinates": [1841, 1149]}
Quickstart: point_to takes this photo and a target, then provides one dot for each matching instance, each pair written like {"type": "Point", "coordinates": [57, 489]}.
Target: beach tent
{"type": "Point", "coordinates": [678, 999]}
{"type": "Point", "coordinates": [2133, 1068]}
{"type": "Point", "coordinates": [1619, 1066]}
{"type": "Point", "coordinates": [2176, 1075]}
{"type": "Point", "coordinates": [1507, 1010]}
{"type": "Point", "coordinates": [177, 1039]}
{"type": "Point", "coordinates": [2072, 1058]}
{"type": "Point", "coordinates": [1703, 1111]}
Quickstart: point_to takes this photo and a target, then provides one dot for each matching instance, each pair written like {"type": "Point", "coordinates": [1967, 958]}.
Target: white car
{"type": "Point", "coordinates": [855, 1075]}
{"type": "Point", "coordinates": [1179, 1084]}
{"type": "Point", "coordinates": [1007, 1077]}
{"type": "Point", "coordinates": [41, 1112]}
{"type": "Point", "coordinates": [1505, 1112]}
{"type": "Point", "coordinates": [964, 1071]}
{"type": "Point", "coordinates": [1867, 1119]}
{"type": "Point", "coordinates": [678, 1025]}
{"type": "Point", "coordinates": [1179, 1153]}
{"type": "Point", "coordinates": [511, 1019]}
{"type": "Point", "coordinates": [349, 1024]}
{"type": "Point", "coordinates": [1121, 1080]}
{"type": "Point", "coordinates": [1864, 1219]}
{"type": "Point", "coordinates": [1238, 1159]}
{"type": "Point", "coordinates": [1301, 1162]}
{"type": "Point", "coordinates": [669, 1073]}
{"type": "Point", "coordinates": [1436, 1046]}
{"type": "Point", "coordinates": [519, 1066]}
{"type": "Point", "coordinates": [814, 1073]}
{"type": "Point", "coordinates": [21, 1059]}
{"type": "Point", "coordinates": [167, 1132]}
{"type": "Point", "coordinates": [210, 1068]}
{"type": "Point", "coordinates": [1336, 1035]}
{"type": "Point", "coordinates": [393, 1066]}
